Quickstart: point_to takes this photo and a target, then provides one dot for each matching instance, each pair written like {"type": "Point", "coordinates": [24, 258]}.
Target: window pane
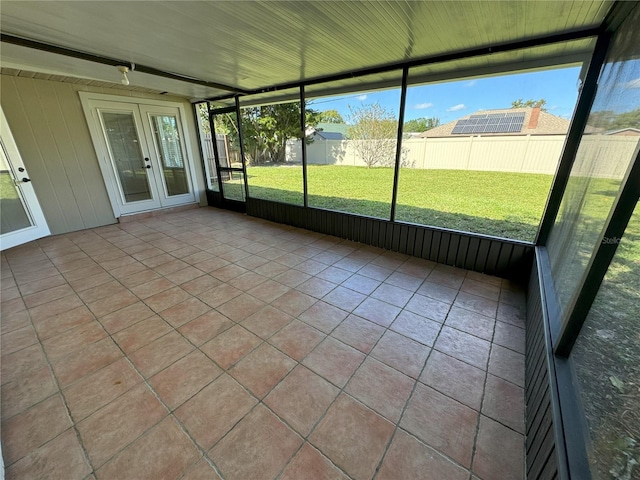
{"type": "Point", "coordinates": [479, 155]}
{"type": "Point", "coordinates": [352, 152]}
{"type": "Point", "coordinates": [606, 150]}
{"type": "Point", "coordinates": [233, 185]}
{"type": "Point", "coordinates": [206, 144]}
{"type": "Point", "coordinates": [607, 361]}
{"type": "Point", "coordinates": [167, 138]}
{"type": "Point", "coordinates": [271, 135]}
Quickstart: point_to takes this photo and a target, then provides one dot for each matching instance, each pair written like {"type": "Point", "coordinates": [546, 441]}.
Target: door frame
{"type": "Point", "coordinates": [40, 228]}
{"type": "Point", "coordinates": [95, 130]}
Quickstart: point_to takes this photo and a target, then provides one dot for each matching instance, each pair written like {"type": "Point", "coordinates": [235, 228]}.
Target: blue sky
{"type": "Point", "coordinates": [451, 100]}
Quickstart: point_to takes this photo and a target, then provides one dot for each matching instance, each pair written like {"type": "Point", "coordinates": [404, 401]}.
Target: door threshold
{"type": "Point", "coordinates": [132, 217]}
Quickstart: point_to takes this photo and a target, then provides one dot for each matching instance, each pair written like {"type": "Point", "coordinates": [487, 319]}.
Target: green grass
{"type": "Point", "coordinates": [494, 203]}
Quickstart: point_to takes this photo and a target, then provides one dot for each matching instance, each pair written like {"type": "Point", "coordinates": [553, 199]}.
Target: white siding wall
{"type": "Point", "coordinates": [51, 132]}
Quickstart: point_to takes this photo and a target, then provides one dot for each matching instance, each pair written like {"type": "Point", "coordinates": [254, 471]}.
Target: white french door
{"type": "Point", "coordinates": [21, 217]}
{"type": "Point", "coordinates": [142, 153]}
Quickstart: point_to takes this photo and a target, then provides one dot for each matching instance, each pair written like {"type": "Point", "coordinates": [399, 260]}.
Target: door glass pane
{"type": "Point", "coordinates": [13, 214]}
{"type": "Point", "coordinates": [233, 185]}
{"type": "Point", "coordinates": [124, 145]}
{"type": "Point", "coordinates": [167, 138]}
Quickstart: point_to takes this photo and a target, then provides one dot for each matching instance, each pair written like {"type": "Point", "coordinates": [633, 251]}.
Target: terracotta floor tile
{"type": "Point", "coordinates": [310, 464]}
{"type": "Point", "coordinates": [471, 322]}
{"type": "Point", "coordinates": [111, 304]}
{"type": "Point", "coordinates": [241, 307]}
{"type": "Point", "coordinates": [359, 333]}
{"type": "Point", "coordinates": [211, 413]}
{"type": "Point", "coordinates": [212, 264]}
{"type": "Point", "coordinates": [164, 452]}
{"type": "Point", "coordinates": [40, 285]}
{"type": "Point", "coordinates": [353, 437]}
{"type": "Point", "coordinates": [90, 282]}
{"type": "Point", "coordinates": [483, 278]}
{"type": "Point", "coordinates": [361, 283]}
{"type": "Point", "coordinates": [272, 253]}
{"type": "Point", "coordinates": [499, 451]}
{"type": "Point", "coordinates": [418, 328]}
{"type": "Point", "coordinates": [481, 289]}
{"type": "Point", "coordinates": [402, 353]}
{"type": "Point", "coordinates": [171, 267]}
{"type": "Point", "coordinates": [350, 264]}
{"type": "Point", "coordinates": [301, 399]}
{"type": "Point", "coordinates": [228, 272]}
{"type": "Point", "coordinates": [377, 311]}
{"type": "Point", "coordinates": [122, 421]}
{"type": "Point", "coordinates": [126, 317]}
{"type": "Point", "coordinates": [504, 402]}
{"type": "Point", "coordinates": [139, 278]}
{"type": "Point", "coordinates": [216, 296]}
{"type": "Point", "coordinates": [375, 271]}
{"type": "Point", "coordinates": [142, 333]}
{"type": "Point", "coordinates": [26, 390]}
{"type": "Point", "coordinates": [73, 340]}
{"type": "Point", "coordinates": [14, 321]}
{"type": "Point", "coordinates": [22, 363]}
{"type": "Point", "coordinates": [230, 346]}
{"type": "Point", "coordinates": [97, 390]}
{"type": "Point", "coordinates": [390, 260]}
{"type": "Point", "coordinates": [62, 457]}
{"type": "Point", "coordinates": [179, 382]}
{"type": "Point", "coordinates": [205, 327]}
{"type": "Point", "coordinates": [405, 281]}
{"type": "Point", "coordinates": [477, 304]}
{"type": "Point", "coordinates": [316, 287]}
{"type": "Point", "coordinates": [507, 364]}
{"type": "Point", "coordinates": [266, 321]}
{"type": "Point", "coordinates": [184, 312]}
{"type": "Point", "coordinates": [267, 445]}
{"type": "Point", "coordinates": [251, 262]}
{"type": "Point", "coordinates": [86, 361]}
{"type": "Point", "coordinates": [334, 360]}
{"type": "Point", "coordinates": [438, 292]}
{"type": "Point", "coordinates": [417, 267]}
{"type": "Point", "coordinates": [515, 297]}
{"type": "Point", "coordinates": [45, 296]}
{"type": "Point", "coordinates": [18, 339]}
{"type": "Point", "coordinates": [153, 261]}
{"type": "Point", "coordinates": [512, 315]}
{"type": "Point", "coordinates": [33, 428]}
{"type": "Point", "coordinates": [168, 298]}
{"type": "Point", "coordinates": [56, 307]}
{"type": "Point", "coordinates": [291, 259]}
{"type": "Point", "coordinates": [447, 278]}
{"type": "Point", "coordinates": [463, 346]}
{"type": "Point", "coordinates": [262, 369]}
{"type": "Point", "coordinates": [63, 322]}
{"type": "Point", "coordinates": [323, 316]}
{"type": "Point", "coordinates": [408, 458]}
{"type": "Point", "coordinates": [311, 267]}
{"type": "Point", "coordinates": [510, 336]}
{"type": "Point", "coordinates": [247, 281]}
{"type": "Point", "coordinates": [200, 284]}
{"type": "Point", "coordinates": [455, 378]}
{"type": "Point", "coordinates": [297, 339]}
{"type": "Point", "coordinates": [442, 423]}
{"type": "Point", "coordinates": [13, 306]}
{"type": "Point", "coordinates": [291, 278]}
{"type": "Point", "coordinates": [391, 294]}
{"type": "Point", "coordinates": [155, 286]}
{"type": "Point", "coordinates": [428, 307]}
{"type": "Point", "coordinates": [293, 302]}
{"type": "Point", "coordinates": [160, 353]}
{"type": "Point", "coordinates": [381, 388]}
{"type": "Point", "coordinates": [201, 471]}
{"type": "Point", "coordinates": [344, 298]}
{"type": "Point", "coordinates": [268, 291]}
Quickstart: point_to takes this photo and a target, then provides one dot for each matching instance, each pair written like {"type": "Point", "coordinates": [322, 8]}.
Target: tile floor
{"type": "Point", "coordinates": [206, 344]}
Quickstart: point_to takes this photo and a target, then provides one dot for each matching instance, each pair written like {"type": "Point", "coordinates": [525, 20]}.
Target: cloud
{"type": "Point", "coordinates": [362, 98]}
{"type": "Point", "coordinates": [455, 108]}
{"type": "Point", "coordinates": [470, 84]}
{"type": "Point", "coordinates": [554, 107]}
{"type": "Point", "coordinates": [420, 106]}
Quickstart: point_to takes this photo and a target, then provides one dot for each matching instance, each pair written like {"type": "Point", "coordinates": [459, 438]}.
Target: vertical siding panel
{"type": "Point", "coordinates": [435, 246]}
{"type": "Point", "coordinates": [445, 244]}
{"type": "Point", "coordinates": [454, 246]}
{"type": "Point", "coordinates": [426, 244]}
{"type": "Point", "coordinates": [483, 253]}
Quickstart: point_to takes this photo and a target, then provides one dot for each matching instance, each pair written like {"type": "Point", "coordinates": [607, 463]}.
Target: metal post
{"type": "Point", "coordinates": [214, 142]}
{"type": "Point", "coordinates": [303, 144]}
{"type": "Point", "coordinates": [571, 144]}
{"type": "Point", "coordinates": [241, 141]}
{"type": "Point", "coordinates": [396, 173]}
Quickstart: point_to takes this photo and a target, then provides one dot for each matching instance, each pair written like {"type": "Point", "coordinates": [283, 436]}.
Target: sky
{"type": "Point", "coordinates": [449, 101]}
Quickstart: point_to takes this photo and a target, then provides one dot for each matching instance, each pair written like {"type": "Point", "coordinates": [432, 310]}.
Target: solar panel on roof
{"type": "Point", "coordinates": [508, 122]}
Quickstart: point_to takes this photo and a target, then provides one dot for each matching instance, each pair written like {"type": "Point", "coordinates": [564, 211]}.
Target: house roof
{"type": "Point", "coordinates": [547, 124]}
{"type": "Point", "coordinates": [214, 49]}
{"type": "Point", "coordinates": [333, 128]}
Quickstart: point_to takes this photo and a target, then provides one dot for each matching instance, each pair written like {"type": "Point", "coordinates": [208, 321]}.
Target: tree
{"type": "Point", "coordinates": [519, 103]}
{"type": "Point", "coordinates": [421, 124]}
{"type": "Point", "coordinates": [266, 130]}
{"type": "Point", "coordinates": [374, 130]}
{"type": "Point", "coordinates": [610, 120]}
{"type": "Point", "coordinates": [330, 116]}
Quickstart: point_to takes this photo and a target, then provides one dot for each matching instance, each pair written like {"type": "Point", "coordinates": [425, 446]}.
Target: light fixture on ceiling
{"type": "Point", "coordinates": [123, 70]}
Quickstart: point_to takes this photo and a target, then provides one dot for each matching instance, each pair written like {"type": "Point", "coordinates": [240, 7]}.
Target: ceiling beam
{"type": "Point", "coordinates": [47, 47]}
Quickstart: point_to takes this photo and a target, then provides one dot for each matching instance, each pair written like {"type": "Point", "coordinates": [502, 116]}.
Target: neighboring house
{"type": "Point", "coordinates": [330, 131]}
{"type": "Point", "coordinates": [625, 132]}
{"type": "Point", "coordinates": [500, 122]}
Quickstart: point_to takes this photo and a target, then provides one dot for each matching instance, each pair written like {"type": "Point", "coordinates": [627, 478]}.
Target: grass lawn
{"type": "Point", "coordinates": [503, 204]}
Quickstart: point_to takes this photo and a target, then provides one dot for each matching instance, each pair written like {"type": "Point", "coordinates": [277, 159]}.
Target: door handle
{"type": "Point", "coordinates": [25, 179]}
{"type": "Point", "coordinates": [147, 166]}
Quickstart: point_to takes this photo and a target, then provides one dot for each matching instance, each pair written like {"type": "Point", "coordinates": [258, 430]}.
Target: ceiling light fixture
{"type": "Point", "coordinates": [124, 70]}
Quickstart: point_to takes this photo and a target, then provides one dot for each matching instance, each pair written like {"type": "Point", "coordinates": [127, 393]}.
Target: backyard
{"type": "Point", "coordinates": [501, 204]}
